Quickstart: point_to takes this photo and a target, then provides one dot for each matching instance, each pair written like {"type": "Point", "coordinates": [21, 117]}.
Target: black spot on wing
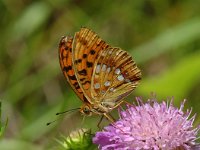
{"type": "Point", "coordinates": [85, 99]}
{"type": "Point", "coordinates": [78, 61]}
{"type": "Point", "coordinates": [72, 77]}
{"type": "Point", "coordinates": [86, 82]}
{"type": "Point", "coordinates": [76, 85]}
{"type": "Point", "coordinates": [66, 69]}
{"type": "Point", "coordinates": [89, 64]}
{"type": "Point", "coordinates": [92, 52]}
{"type": "Point", "coordinates": [82, 79]}
{"type": "Point", "coordinates": [82, 72]}
{"type": "Point", "coordinates": [84, 55]}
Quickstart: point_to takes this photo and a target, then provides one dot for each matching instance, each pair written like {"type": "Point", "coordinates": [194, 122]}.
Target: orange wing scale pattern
{"type": "Point", "coordinates": [65, 58]}
{"type": "Point", "coordinates": [100, 75]}
{"type": "Point", "coordinates": [115, 76]}
{"type": "Point", "coordinates": [86, 48]}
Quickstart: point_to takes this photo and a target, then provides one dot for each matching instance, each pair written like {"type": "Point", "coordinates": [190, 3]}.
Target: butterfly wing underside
{"type": "Point", "coordinates": [65, 58]}
{"type": "Point", "coordinates": [86, 47]}
{"type": "Point", "coordinates": [115, 76]}
{"type": "Point", "coordinates": [97, 72]}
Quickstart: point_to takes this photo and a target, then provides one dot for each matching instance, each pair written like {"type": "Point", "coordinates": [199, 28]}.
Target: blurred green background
{"type": "Point", "coordinates": [162, 36]}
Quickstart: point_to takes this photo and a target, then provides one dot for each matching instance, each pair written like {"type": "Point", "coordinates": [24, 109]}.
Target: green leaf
{"type": "Point", "coordinates": [176, 81]}
{"type": "Point", "coordinates": [2, 127]}
{"type": "Point", "coordinates": [168, 40]}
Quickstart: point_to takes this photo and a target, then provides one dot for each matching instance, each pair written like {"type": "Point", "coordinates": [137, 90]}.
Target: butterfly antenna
{"type": "Point", "coordinates": [48, 123]}
{"type": "Point", "coordinates": [60, 113]}
{"type": "Point", "coordinates": [71, 110]}
{"type": "Point", "coordinates": [53, 121]}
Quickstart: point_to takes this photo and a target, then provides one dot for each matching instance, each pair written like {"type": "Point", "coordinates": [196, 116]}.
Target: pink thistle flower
{"type": "Point", "coordinates": [150, 126]}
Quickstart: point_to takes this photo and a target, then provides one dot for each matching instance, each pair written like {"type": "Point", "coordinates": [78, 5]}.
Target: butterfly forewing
{"type": "Point", "coordinates": [65, 58]}
{"type": "Point", "coordinates": [86, 47]}
{"type": "Point", "coordinates": [115, 76]}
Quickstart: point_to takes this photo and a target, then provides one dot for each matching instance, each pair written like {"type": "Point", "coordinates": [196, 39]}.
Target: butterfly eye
{"type": "Point", "coordinates": [86, 110]}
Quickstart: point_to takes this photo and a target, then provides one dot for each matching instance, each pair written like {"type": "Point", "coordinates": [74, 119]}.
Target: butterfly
{"type": "Point", "coordinates": [100, 75]}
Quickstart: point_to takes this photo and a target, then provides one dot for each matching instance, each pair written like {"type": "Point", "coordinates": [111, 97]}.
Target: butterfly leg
{"type": "Point", "coordinates": [126, 102]}
{"type": "Point", "coordinates": [112, 120]}
{"type": "Point", "coordinates": [88, 132]}
{"type": "Point", "coordinates": [108, 116]}
{"type": "Point", "coordinates": [119, 104]}
{"type": "Point", "coordinates": [98, 125]}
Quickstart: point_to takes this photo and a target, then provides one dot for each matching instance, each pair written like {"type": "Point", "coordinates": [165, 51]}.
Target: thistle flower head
{"type": "Point", "coordinates": [79, 139]}
{"type": "Point", "coordinates": [150, 126]}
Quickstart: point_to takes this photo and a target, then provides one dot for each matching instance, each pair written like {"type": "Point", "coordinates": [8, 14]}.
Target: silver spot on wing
{"type": "Point", "coordinates": [120, 77]}
{"type": "Point", "coordinates": [96, 85]}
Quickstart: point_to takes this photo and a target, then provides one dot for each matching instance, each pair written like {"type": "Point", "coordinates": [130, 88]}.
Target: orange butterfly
{"type": "Point", "coordinates": [100, 75]}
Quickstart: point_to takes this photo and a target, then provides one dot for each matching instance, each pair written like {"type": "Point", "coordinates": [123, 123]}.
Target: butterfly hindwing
{"type": "Point", "coordinates": [115, 76]}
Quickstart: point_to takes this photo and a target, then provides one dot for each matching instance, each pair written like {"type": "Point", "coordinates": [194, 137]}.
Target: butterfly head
{"type": "Point", "coordinates": [86, 110]}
